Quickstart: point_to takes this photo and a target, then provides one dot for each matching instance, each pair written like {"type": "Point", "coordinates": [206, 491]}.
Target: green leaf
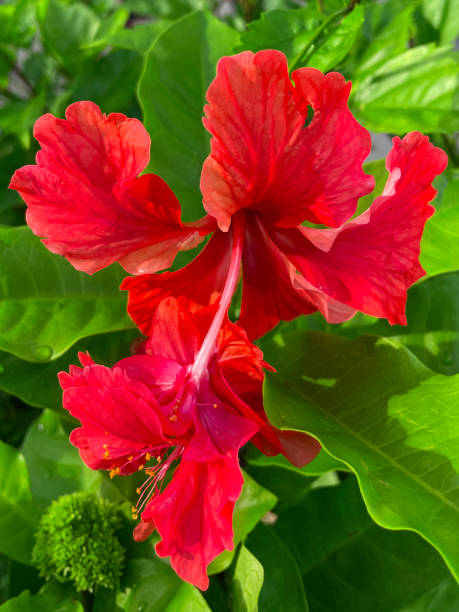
{"type": "Point", "coordinates": [140, 38]}
{"type": "Point", "coordinates": [336, 42]}
{"type": "Point", "coordinates": [66, 29]}
{"type": "Point", "coordinates": [305, 36]}
{"type": "Point", "coordinates": [18, 515]}
{"type": "Point", "coordinates": [36, 384]}
{"type": "Point", "coordinates": [373, 405]}
{"type": "Point", "coordinates": [17, 22]}
{"type": "Point", "coordinates": [46, 305]}
{"type": "Point", "coordinates": [415, 91]}
{"type": "Point", "coordinates": [18, 116]}
{"type": "Point", "coordinates": [171, 9]}
{"type": "Point", "coordinates": [385, 34]}
{"type": "Point", "coordinates": [178, 70]}
{"type": "Point", "coordinates": [283, 587]}
{"type": "Point", "coordinates": [99, 81]}
{"type": "Point", "coordinates": [432, 333]}
{"type": "Point", "coordinates": [444, 17]}
{"type": "Point", "coordinates": [289, 31]}
{"type": "Point", "coordinates": [108, 27]}
{"type": "Point", "coordinates": [253, 503]}
{"type": "Point", "coordinates": [289, 483]}
{"type": "Point", "coordinates": [152, 585]}
{"type": "Point", "coordinates": [376, 168]}
{"type": "Point", "coordinates": [53, 596]}
{"type": "Point", "coordinates": [54, 465]}
{"type": "Point", "coordinates": [345, 557]}
{"type": "Point", "coordinates": [247, 582]}
{"type": "Point", "coordinates": [440, 241]}
{"type": "Point", "coordinates": [320, 465]}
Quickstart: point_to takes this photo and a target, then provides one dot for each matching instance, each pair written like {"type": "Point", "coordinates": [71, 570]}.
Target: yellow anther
{"type": "Point", "coordinates": [158, 459]}
{"type": "Point", "coordinates": [141, 466]}
{"type": "Point", "coordinates": [173, 418]}
{"type": "Point", "coordinates": [131, 457]}
{"type": "Point", "coordinates": [114, 472]}
{"type": "Point", "coordinates": [147, 456]}
{"type": "Point", "coordinates": [135, 516]}
{"type": "Point", "coordinates": [133, 509]}
{"type": "Point", "coordinates": [107, 454]}
{"type": "Point", "coordinates": [138, 490]}
{"type": "Point", "coordinates": [105, 445]}
{"type": "Point", "coordinates": [150, 472]}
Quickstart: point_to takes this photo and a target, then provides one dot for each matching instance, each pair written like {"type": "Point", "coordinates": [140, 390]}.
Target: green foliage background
{"type": "Point", "coordinates": [373, 522]}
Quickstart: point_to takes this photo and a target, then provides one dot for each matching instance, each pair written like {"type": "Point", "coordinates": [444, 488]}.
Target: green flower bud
{"type": "Point", "coordinates": [77, 540]}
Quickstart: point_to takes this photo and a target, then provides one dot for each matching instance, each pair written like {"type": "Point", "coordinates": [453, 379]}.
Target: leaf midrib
{"type": "Point", "coordinates": [375, 449]}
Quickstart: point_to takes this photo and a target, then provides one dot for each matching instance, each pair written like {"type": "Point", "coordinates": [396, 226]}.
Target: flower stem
{"type": "Point", "coordinates": [210, 341]}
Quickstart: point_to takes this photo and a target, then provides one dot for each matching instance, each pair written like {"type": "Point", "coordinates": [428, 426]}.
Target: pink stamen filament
{"type": "Point", "coordinates": [210, 341]}
{"type": "Point", "coordinates": [150, 484]}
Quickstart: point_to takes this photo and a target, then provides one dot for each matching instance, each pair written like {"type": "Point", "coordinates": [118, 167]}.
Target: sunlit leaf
{"type": "Point", "coordinates": [373, 405]}
{"type": "Point", "coordinates": [46, 305]}
{"type": "Point", "coordinates": [178, 70]}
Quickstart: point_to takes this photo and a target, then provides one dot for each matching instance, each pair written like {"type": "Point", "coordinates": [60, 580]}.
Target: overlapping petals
{"type": "Point", "coordinates": [271, 165]}
{"type": "Point", "coordinates": [147, 413]}
{"type": "Point", "coordinates": [84, 199]}
{"type": "Point", "coordinates": [264, 158]}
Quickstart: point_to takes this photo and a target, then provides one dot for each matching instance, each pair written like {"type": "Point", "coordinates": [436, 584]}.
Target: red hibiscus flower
{"type": "Point", "coordinates": [273, 171]}
{"type": "Point", "coordinates": [186, 406]}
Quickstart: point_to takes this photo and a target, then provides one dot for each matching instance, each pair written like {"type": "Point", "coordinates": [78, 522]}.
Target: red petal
{"type": "Point", "coordinates": [84, 198]}
{"type": "Point", "coordinates": [263, 158]}
{"type": "Point", "coordinates": [201, 282]}
{"type": "Point", "coordinates": [371, 261]}
{"type": "Point", "coordinates": [194, 515]}
{"type": "Point", "coordinates": [119, 416]}
{"type": "Point", "coordinates": [272, 289]}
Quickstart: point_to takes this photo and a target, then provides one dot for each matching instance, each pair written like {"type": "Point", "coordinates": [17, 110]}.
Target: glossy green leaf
{"type": "Point", "coordinates": [18, 514]}
{"type": "Point", "coordinates": [440, 241]}
{"type": "Point", "coordinates": [289, 483]}
{"type": "Point", "coordinates": [54, 465]}
{"type": "Point", "coordinates": [66, 29]}
{"type": "Point", "coordinates": [385, 34]}
{"type": "Point", "coordinates": [178, 69]}
{"type": "Point", "coordinates": [247, 582]}
{"type": "Point", "coordinates": [415, 91]}
{"type": "Point", "coordinates": [444, 17]}
{"type": "Point", "coordinates": [46, 305]}
{"type": "Point", "coordinates": [336, 42]}
{"type": "Point", "coordinates": [373, 405]}
{"type": "Point", "coordinates": [377, 169]}
{"type": "Point", "coordinates": [253, 503]}
{"type": "Point", "coordinates": [154, 587]}
{"type": "Point", "coordinates": [53, 596]}
{"type": "Point", "coordinates": [305, 36]}
{"type": "Point", "coordinates": [320, 465]}
{"type": "Point", "coordinates": [432, 333]}
{"type": "Point", "coordinates": [289, 31]}
{"type": "Point", "coordinates": [37, 384]}
{"type": "Point", "coordinates": [345, 557]}
{"type": "Point", "coordinates": [283, 587]}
